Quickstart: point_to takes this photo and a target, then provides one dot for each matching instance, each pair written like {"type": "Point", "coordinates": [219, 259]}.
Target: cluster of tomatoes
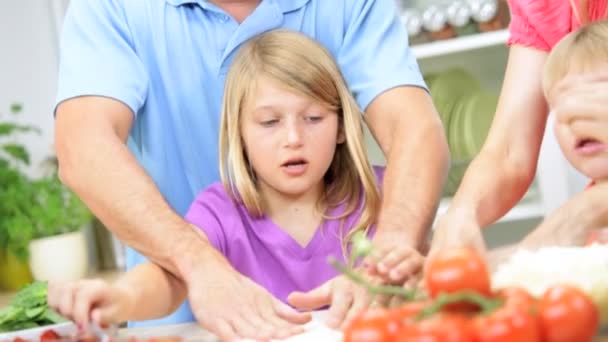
{"type": "Point", "coordinates": [52, 336]}
{"type": "Point", "coordinates": [462, 308]}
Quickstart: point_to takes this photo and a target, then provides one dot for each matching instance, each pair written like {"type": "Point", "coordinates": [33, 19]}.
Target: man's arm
{"type": "Point", "coordinates": [406, 125]}
{"type": "Point", "coordinates": [94, 161]}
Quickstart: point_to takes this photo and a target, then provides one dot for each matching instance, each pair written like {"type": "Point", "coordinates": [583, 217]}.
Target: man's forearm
{"type": "Point", "coordinates": [414, 178]}
{"type": "Point", "coordinates": [408, 129]}
{"type": "Point", "coordinates": [95, 162]}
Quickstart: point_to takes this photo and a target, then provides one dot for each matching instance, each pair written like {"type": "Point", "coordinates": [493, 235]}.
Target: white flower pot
{"type": "Point", "coordinates": [59, 258]}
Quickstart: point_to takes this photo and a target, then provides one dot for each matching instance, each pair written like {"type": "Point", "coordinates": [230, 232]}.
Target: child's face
{"type": "Point", "coordinates": [586, 154]}
{"type": "Point", "coordinates": [290, 139]}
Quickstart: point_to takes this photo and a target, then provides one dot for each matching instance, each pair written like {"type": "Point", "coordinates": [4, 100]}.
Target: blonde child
{"type": "Point", "coordinates": [296, 185]}
{"type": "Point", "coordinates": [581, 52]}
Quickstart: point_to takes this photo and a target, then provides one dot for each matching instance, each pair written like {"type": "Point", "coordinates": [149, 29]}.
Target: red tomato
{"type": "Point", "coordinates": [443, 327]}
{"type": "Point", "coordinates": [509, 323]}
{"type": "Point", "coordinates": [19, 339]}
{"type": "Point", "coordinates": [518, 297]}
{"type": "Point", "coordinates": [49, 336]}
{"type": "Point", "coordinates": [371, 326]}
{"type": "Point", "coordinates": [406, 311]}
{"type": "Point", "coordinates": [457, 270]}
{"type": "Point", "coordinates": [568, 314]}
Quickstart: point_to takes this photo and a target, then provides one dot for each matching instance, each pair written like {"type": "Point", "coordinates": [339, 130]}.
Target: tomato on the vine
{"type": "Point", "coordinates": [518, 297]}
{"type": "Point", "coordinates": [457, 270]}
{"type": "Point", "coordinates": [568, 314]}
{"type": "Point", "coordinates": [374, 325]}
{"type": "Point", "coordinates": [512, 322]}
{"type": "Point", "coordinates": [442, 327]}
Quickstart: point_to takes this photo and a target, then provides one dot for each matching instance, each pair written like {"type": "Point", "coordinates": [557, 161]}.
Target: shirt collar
{"type": "Point", "coordinates": [285, 5]}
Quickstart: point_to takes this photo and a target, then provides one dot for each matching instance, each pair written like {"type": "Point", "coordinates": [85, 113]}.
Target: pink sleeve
{"type": "Point", "coordinates": [539, 23]}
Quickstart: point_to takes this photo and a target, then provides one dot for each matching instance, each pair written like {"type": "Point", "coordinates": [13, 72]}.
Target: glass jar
{"type": "Point", "coordinates": [434, 21]}
{"type": "Point", "coordinates": [459, 17]}
{"type": "Point", "coordinates": [489, 14]}
{"type": "Point", "coordinates": [412, 20]}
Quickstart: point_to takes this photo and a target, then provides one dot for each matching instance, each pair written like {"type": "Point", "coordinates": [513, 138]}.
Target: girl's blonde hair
{"type": "Point", "coordinates": [581, 11]}
{"type": "Point", "coordinates": [579, 51]}
{"type": "Point", "coordinates": [301, 66]}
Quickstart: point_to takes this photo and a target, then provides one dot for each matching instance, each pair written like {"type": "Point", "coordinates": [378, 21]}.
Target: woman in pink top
{"type": "Point", "coordinates": [504, 169]}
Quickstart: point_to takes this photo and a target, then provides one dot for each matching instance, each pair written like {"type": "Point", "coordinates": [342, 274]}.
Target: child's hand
{"type": "Point", "coordinates": [88, 301]}
{"type": "Point", "coordinates": [400, 265]}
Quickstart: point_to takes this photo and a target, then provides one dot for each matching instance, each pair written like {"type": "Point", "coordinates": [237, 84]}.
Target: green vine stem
{"type": "Point", "coordinates": [407, 294]}
{"type": "Point", "coordinates": [486, 305]}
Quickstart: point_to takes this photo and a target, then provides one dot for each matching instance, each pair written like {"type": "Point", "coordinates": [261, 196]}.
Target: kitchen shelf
{"type": "Point", "coordinates": [460, 44]}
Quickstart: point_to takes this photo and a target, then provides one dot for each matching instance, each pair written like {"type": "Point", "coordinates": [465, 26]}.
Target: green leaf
{"type": "Point", "coordinates": [31, 296]}
{"type": "Point", "coordinates": [16, 108]}
{"type": "Point", "coordinates": [18, 152]}
{"type": "Point", "coordinates": [33, 313]}
{"type": "Point", "coordinates": [53, 317]}
{"type": "Point", "coordinates": [12, 314]}
{"type": "Point", "coordinates": [23, 325]}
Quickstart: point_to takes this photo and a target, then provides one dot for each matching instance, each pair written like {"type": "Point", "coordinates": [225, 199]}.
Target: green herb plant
{"type": "Point", "coordinates": [32, 209]}
{"type": "Point", "coordinates": [16, 192]}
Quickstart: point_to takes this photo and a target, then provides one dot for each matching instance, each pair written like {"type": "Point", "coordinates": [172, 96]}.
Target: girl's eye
{"type": "Point", "coordinates": [269, 123]}
{"type": "Point", "coordinates": [314, 118]}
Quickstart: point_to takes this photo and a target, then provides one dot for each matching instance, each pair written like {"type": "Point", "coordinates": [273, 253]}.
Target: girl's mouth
{"type": "Point", "coordinates": [589, 146]}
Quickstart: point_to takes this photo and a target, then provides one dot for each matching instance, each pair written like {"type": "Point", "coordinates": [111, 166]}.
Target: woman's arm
{"type": "Point", "coordinates": [505, 167]}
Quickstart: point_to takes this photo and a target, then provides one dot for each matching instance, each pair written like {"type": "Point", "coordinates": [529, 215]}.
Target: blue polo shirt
{"type": "Point", "coordinates": [167, 61]}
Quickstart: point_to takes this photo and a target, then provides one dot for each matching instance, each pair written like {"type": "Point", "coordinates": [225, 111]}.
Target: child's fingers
{"type": "Point", "coordinates": [408, 268]}
{"type": "Point", "coordinates": [65, 294]}
{"type": "Point", "coordinates": [89, 294]}
{"type": "Point", "coordinates": [393, 258]}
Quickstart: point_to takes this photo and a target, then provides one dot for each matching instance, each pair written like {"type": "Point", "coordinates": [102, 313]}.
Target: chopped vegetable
{"type": "Point", "coordinates": [28, 309]}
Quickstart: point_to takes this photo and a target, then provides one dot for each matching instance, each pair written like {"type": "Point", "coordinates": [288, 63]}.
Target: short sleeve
{"type": "Point", "coordinates": [375, 55]}
{"type": "Point", "coordinates": [206, 211]}
{"type": "Point", "coordinates": [97, 56]}
{"type": "Point", "coordinates": [538, 23]}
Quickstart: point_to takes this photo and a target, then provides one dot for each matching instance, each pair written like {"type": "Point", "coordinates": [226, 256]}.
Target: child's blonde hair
{"type": "Point", "coordinates": [579, 51]}
{"type": "Point", "coordinates": [304, 67]}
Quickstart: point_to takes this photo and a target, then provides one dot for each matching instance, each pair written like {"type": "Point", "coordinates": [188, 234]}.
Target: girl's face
{"type": "Point", "coordinates": [290, 139]}
{"type": "Point", "coordinates": [586, 154]}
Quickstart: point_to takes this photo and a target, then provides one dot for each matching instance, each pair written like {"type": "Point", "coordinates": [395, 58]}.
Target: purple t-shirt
{"type": "Point", "coordinates": [262, 251]}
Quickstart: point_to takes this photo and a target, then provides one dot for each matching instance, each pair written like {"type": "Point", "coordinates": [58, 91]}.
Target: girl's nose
{"type": "Point", "coordinates": [294, 134]}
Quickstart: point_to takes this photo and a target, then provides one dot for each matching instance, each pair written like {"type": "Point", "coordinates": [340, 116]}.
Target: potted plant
{"type": "Point", "coordinates": [15, 197]}
{"type": "Point", "coordinates": [57, 248]}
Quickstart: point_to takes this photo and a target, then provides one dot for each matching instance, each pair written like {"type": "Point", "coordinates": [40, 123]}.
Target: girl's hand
{"type": "Point", "coordinates": [88, 301]}
{"type": "Point", "coordinates": [344, 297]}
{"type": "Point", "coordinates": [399, 265]}
{"type": "Point", "coordinates": [580, 102]}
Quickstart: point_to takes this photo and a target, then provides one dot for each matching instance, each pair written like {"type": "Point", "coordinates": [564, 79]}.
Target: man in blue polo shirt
{"type": "Point", "coordinates": [137, 118]}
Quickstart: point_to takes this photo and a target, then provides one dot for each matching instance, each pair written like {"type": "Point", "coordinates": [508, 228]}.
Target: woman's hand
{"type": "Point", "coordinates": [87, 301]}
{"type": "Point", "coordinates": [455, 230]}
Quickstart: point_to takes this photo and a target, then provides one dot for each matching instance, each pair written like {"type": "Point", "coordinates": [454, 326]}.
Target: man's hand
{"type": "Point", "coordinates": [232, 306]}
{"type": "Point", "coordinates": [345, 299]}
